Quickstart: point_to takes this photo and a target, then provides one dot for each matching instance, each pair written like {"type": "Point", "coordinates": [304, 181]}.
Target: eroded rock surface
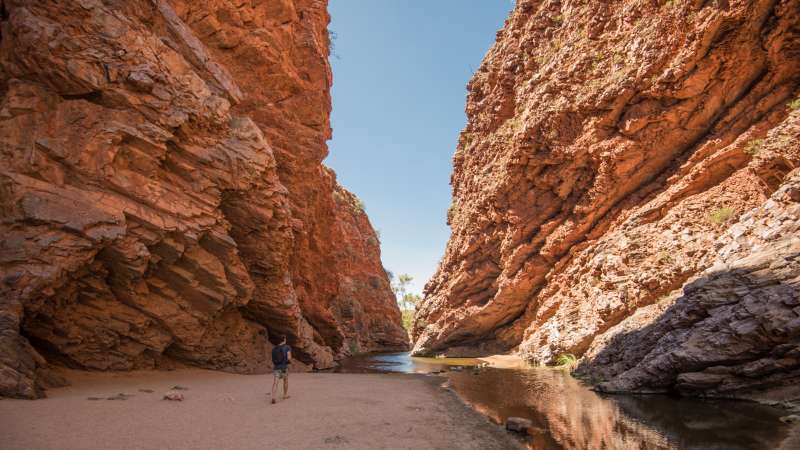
{"type": "Point", "coordinates": [609, 149]}
{"type": "Point", "coordinates": [732, 331]}
{"type": "Point", "coordinates": [162, 193]}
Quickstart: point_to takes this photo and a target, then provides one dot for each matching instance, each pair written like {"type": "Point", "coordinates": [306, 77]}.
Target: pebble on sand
{"type": "Point", "coordinates": [174, 396]}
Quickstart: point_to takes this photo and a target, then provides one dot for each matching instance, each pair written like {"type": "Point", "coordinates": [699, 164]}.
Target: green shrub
{"type": "Point", "coordinates": [794, 104]}
{"type": "Point", "coordinates": [720, 215]}
{"type": "Point", "coordinates": [359, 205]}
{"type": "Point", "coordinates": [332, 36]}
{"type": "Point", "coordinates": [754, 147]}
{"type": "Point", "coordinates": [566, 360]}
{"type": "Point", "coordinates": [451, 212]}
{"type": "Point", "coordinates": [408, 318]}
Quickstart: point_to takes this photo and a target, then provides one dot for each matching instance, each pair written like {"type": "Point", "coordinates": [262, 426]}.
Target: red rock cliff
{"type": "Point", "coordinates": [611, 147]}
{"type": "Point", "coordinates": [163, 197]}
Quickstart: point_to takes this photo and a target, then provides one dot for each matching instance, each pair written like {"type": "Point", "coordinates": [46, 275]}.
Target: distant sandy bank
{"type": "Point", "coordinates": [505, 362]}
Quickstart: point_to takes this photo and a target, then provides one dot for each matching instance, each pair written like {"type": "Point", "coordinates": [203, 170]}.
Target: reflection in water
{"type": "Point", "coordinates": [566, 414]}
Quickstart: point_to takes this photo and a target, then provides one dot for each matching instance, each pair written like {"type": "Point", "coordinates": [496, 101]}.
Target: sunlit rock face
{"type": "Point", "coordinates": [162, 192]}
{"type": "Point", "coordinates": [610, 151]}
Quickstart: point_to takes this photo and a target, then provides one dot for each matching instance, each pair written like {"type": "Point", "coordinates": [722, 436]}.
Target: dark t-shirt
{"type": "Point", "coordinates": [280, 356]}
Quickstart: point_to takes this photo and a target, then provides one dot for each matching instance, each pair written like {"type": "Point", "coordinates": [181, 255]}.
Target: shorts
{"type": "Point", "coordinates": [281, 373]}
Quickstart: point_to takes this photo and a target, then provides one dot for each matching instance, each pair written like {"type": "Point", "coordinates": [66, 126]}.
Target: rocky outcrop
{"type": "Point", "coordinates": [732, 331]}
{"type": "Point", "coordinates": [609, 149]}
{"type": "Point", "coordinates": [163, 197]}
{"type": "Point", "coordinates": [365, 306]}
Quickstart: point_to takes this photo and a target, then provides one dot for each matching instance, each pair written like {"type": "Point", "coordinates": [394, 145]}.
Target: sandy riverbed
{"type": "Point", "coordinates": [226, 411]}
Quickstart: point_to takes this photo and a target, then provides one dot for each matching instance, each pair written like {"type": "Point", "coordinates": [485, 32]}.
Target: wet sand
{"type": "Point", "coordinates": [226, 411]}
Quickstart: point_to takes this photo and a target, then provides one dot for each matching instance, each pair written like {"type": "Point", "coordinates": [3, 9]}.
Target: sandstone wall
{"type": "Point", "coordinates": [610, 147]}
{"type": "Point", "coordinates": [734, 330]}
{"type": "Point", "coordinates": [162, 193]}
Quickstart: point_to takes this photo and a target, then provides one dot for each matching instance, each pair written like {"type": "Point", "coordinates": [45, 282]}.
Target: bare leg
{"type": "Point", "coordinates": [286, 386]}
{"type": "Point", "coordinates": [274, 387]}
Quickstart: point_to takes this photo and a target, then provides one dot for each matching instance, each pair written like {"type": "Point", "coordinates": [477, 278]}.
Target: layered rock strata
{"type": "Point", "coordinates": [609, 149]}
{"type": "Point", "coordinates": [163, 196]}
{"type": "Point", "coordinates": [733, 331]}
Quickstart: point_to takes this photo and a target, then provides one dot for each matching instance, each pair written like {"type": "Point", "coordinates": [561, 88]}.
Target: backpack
{"type": "Point", "coordinates": [279, 358]}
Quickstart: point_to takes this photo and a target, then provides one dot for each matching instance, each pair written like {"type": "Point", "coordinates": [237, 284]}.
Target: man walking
{"type": "Point", "coordinates": [281, 357]}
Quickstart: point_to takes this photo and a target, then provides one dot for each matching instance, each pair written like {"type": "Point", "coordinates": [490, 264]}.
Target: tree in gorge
{"type": "Point", "coordinates": [407, 301]}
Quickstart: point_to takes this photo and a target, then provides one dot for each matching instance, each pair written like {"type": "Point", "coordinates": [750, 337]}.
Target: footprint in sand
{"type": "Point", "coordinates": [336, 440]}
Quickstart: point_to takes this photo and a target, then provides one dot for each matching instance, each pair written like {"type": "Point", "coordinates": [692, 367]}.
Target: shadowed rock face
{"type": "Point", "coordinates": [162, 192]}
{"type": "Point", "coordinates": [609, 149]}
{"type": "Point", "coordinates": [734, 331]}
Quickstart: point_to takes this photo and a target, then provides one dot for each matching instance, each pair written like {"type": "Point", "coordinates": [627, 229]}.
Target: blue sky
{"type": "Point", "coordinates": [400, 71]}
